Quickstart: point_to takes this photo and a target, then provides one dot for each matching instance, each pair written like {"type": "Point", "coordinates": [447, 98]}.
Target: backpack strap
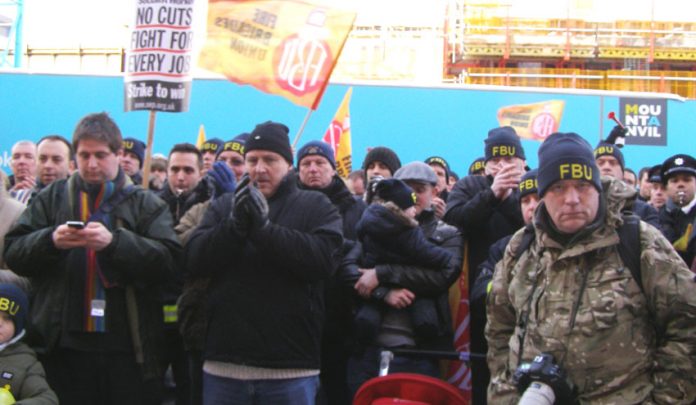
{"type": "Point", "coordinates": [629, 246]}
{"type": "Point", "coordinates": [527, 238]}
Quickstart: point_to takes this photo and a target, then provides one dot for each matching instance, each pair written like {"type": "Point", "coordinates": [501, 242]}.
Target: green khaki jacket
{"type": "Point", "coordinates": [623, 346]}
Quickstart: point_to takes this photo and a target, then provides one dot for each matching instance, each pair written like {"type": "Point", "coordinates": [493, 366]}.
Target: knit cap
{"type": "Point", "coordinates": [396, 191]}
{"type": "Point", "coordinates": [270, 136]}
{"type": "Point", "coordinates": [14, 302]}
{"type": "Point", "coordinates": [566, 156]}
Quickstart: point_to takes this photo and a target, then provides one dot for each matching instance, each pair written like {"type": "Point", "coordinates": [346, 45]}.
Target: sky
{"type": "Point", "coordinates": [90, 23]}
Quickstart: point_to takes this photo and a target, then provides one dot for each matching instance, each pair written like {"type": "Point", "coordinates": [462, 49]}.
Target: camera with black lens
{"type": "Point", "coordinates": [542, 382]}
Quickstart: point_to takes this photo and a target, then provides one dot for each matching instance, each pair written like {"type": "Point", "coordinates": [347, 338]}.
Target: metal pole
{"type": "Point", "coordinates": [19, 37]}
{"type": "Point", "coordinates": [148, 150]}
{"type": "Point", "coordinates": [299, 133]}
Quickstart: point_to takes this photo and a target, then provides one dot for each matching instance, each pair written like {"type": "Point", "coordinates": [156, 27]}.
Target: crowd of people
{"type": "Point", "coordinates": [245, 272]}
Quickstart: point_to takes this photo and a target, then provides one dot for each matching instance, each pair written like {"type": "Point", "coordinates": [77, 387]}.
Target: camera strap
{"type": "Point", "coordinates": [629, 250]}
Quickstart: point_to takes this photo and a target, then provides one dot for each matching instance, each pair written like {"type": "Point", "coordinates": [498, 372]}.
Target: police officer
{"type": "Point", "coordinates": [678, 175]}
{"type": "Point", "coordinates": [568, 295]}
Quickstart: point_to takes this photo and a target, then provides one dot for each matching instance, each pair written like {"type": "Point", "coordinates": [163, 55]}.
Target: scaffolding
{"type": "Point", "coordinates": [11, 29]}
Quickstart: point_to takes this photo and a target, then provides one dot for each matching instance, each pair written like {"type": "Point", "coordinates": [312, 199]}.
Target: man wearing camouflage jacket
{"type": "Point", "coordinates": [570, 295]}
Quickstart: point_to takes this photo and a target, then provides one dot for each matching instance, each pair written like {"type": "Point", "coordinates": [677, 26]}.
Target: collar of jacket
{"type": "Point", "coordinates": [287, 186]}
{"type": "Point", "coordinates": [337, 191]}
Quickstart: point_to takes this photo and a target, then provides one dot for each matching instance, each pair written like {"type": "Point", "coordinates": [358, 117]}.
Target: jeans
{"type": "Point", "coordinates": [293, 391]}
{"type": "Point", "coordinates": [364, 366]}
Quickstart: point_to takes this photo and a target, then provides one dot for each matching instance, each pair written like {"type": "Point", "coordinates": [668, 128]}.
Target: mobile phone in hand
{"type": "Point", "coordinates": [75, 224]}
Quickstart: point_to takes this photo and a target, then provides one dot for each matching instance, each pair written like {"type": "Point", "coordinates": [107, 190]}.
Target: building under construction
{"type": "Point", "coordinates": [637, 45]}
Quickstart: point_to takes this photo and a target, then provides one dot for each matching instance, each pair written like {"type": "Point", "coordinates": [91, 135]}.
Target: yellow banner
{"type": "Point", "coordinates": [533, 121]}
{"type": "Point", "coordinates": [201, 137]}
{"type": "Point", "coordinates": [338, 136]}
{"type": "Point", "coordinates": [283, 47]}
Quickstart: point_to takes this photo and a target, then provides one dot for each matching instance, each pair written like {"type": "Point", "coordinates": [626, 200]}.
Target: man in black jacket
{"type": "Point", "coordinates": [268, 248]}
{"type": "Point", "coordinates": [486, 208]}
{"type": "Point", "coordinates": [395, 286]}
{"type": "Point", "coordinates": [317, 171]}
{"type": "Point", "coordinates": [95, 314]}
{"type": "Point", "coordinates": [185, 187]}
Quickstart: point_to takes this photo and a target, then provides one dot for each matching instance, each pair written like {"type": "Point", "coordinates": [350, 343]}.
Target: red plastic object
{"type": "Point", "coordinates": [407, 388]}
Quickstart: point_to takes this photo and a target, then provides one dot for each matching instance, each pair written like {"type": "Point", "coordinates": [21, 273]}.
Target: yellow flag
{"type": "Point", "coordinates": [533, 121]}
{"type": "Point", "coordinates": [283, 47]}
{"type": "Point", "coordinates": [201, 137]}
{"type": "Point", "coordinates": [338, 136]}
{"type": "Point", "coordinates": [681, 244]}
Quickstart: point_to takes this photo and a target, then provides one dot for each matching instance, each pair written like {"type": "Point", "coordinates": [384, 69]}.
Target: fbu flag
{"type": "Point", "coordinates": [283, 47]}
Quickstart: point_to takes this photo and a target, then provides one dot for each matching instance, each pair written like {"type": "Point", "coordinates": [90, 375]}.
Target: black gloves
{"type": "Point", "coordinates": [617, 136]}
{"type": "Point", "coordinates": [250, 211]}
{"type": "Point", "coordinates": [223, 178]}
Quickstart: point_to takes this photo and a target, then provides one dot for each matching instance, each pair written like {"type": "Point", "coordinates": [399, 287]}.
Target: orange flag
{"type": "Point", "coordinates": [533, 121]}
{"type": "Point", "coordinates": [283, 47]}
{"type": "Point", "coordinates": [338, 136]}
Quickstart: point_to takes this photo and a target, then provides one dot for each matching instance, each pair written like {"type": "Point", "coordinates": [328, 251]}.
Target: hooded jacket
{"type": "Point", "coordinates": [23, 373]}
{"type": "Point", "coordinates": [579, 303]}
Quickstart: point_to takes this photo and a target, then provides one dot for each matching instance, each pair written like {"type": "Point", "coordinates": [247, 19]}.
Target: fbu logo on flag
{"type": "Point", "coordinates": [303, 61]}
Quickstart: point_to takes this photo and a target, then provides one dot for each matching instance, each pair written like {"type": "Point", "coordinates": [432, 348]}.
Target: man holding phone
{"type": "Point", "coordinates": [96, 248]}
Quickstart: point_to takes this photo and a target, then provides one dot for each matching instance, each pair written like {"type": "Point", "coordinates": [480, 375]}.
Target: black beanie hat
{"type": "Point", "coordinates": [242, 137]}
{"type": "Point", "coordinates": [477, 165]}
{"type": "Point", "coordinates": [270, 136]}
{"type": "Point", "coordinates": [135, 147]}
{"type": "Point", "coordinates": [212, 145]}
{"type": "Point", "coordinates": [503, 142]}
{"type": "Point", "coordinates": [384, 155]}
{"type": "Point", "coordinates": [396, 191]}
{"type": "Point", "coordinates": [566, 156]}
{"type": "Point", "coordinates": [317, 148]}
{"type": "Point", "coordinates": [654, 175]}
{"type": "Point", "coordinates": [14, 302]}
{"type": "Point", "coordinates": [437, 160]}
{"type": "Point", "coordinates": [609, 149]}
{"type": "Point", "coordinates": [528, 183]}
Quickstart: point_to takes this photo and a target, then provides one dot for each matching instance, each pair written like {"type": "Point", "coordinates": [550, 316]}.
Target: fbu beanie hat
{"type": "Point", "coordinates": [503, 142]}
{"type": "Point", "coordinates": [566, 156]}
{"type": "Point", "coordinates": [14, 302]}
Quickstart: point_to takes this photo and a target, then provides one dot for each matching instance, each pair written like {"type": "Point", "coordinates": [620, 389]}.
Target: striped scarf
{"type": "Point", "coordinates": [86, 200]}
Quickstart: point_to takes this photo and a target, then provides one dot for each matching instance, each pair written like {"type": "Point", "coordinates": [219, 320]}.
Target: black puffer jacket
{"type": "Point", "coordinates": [266, 297]}
{"type": "Point", "coordinates": [483, 219]}
{"type": "Point", "coordinates": [142, 255]}
{"type": "Point", "coordinates": [420, 280]}
{"type": "Point", "coordinates": [350, 208]}
{"type": "Point", "coordinates": [387, 237]}
{"type": "Point", "coordinates": [178, 205]}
